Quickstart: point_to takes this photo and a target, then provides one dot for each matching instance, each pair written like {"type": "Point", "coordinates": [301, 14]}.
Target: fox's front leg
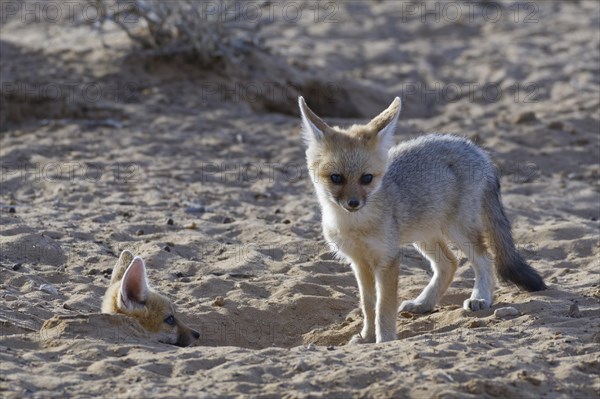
{"type": "Point", "coordinates": [366, 287]}
{"type": "Point", "coordinates": [386, 280]}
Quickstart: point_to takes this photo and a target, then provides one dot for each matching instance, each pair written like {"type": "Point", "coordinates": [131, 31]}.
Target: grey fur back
{"type": "Point", "coordinates": [437, 176]}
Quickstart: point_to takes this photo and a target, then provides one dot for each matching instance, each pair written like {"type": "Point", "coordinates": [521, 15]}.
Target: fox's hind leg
{"type": "Point", "coordinates": [473, 246]}
{"type": "Point", "coordinates": [444, 264]}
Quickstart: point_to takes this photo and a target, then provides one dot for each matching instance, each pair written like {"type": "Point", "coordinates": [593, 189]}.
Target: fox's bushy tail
{"type": "Point", "coordinates": [510, 266]}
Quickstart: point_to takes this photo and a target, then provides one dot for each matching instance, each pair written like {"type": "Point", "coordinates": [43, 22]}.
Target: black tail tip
{"type": "Point", "coordinates": [523, 276]}
{"type": "Point", "coordinates": [533, 285]}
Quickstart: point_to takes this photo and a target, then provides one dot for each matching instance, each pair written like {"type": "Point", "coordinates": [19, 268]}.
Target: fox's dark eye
{"type": "Point", "coordinates": [170, 320]}
{"type": "Point", "coordinates": [336, 179]}
{"type": "Point", "coordinates": [366, 179]}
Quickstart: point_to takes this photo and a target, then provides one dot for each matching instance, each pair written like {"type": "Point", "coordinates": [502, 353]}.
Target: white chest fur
{"type": "Point", "coordinates": [360, 237]}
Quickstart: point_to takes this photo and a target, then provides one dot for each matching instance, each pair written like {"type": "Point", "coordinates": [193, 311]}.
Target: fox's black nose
{"type": "Point", "coordinates": [353, 203]}
{"type": "Point", "coordinates": [195, 334]}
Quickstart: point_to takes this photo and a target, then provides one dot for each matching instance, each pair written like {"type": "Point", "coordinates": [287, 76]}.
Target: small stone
{"type": "Point", "coordinates": [92, 272]}
{"type": "Point", "coordinates": [301, 366]}
{"type": "Point", "coordinates": [310, 347]}
{"type": "Point", "coordinates": [16, 266]}
{"type": "Point", "coordinates": [574, 310]}
{"type": "Point", "coordinates": [286, 221]}
{"type": "Point", "coordinates": [167, 248]}
{"type": "Point", "coordinates": [219, 301]}
{"type": "Point", "coordinates": [179, 274]}
{"type": "Point", "coordinates": [330, 347]}
{"type": "Point", "coordinates": [170, 222]}
{"type": "Point", "coordinates": [139, 232]}
{"type": "Point", "coordinates": [10, 298]}
{"type": "Point", "coordinates": [191, 226]}
{"type": "Point", "coordinates": [67, 306]}
{"type": "Point", "coordinates": [49, 289]}
{"type": "Point", "coordinates": [505, 312]}
{"type": "Point", "coordinates": [107, 271]}
{"type": "Point", "coordinates": [525, 117]}
{"type": "Point", "coordinates": [556, 125]}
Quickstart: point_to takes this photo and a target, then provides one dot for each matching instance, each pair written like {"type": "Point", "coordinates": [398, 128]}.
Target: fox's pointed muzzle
{"type": "Point", "coordinates": [186, 338]}
{"type": "Point", "coordinates": [351, 204]}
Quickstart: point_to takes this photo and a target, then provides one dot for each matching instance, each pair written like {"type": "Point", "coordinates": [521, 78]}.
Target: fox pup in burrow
{"type": "Point", "coordinates": [129, 294]}
{"type": "Point", "coordinates": [429, 191]}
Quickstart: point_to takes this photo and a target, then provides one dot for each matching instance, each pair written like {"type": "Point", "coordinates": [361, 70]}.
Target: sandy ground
{"type": "Point", "coordinates": [88, 173]}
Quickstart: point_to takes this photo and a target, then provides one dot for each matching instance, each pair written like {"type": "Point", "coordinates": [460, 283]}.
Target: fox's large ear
{"type": "Point", "coordinates": [119, 269]}
{"type": "Point", "coordinates": [313, 127]}
{"type": "Point", "coordinates": [134, 287]}
{"type": "Point", "coordinates": [385, 123]}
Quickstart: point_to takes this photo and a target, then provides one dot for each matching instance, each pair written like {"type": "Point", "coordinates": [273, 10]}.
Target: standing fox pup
{"type": "Point", "coordinates": [429, 191]}
{"type": "Point", "coordinates": [129, 294]}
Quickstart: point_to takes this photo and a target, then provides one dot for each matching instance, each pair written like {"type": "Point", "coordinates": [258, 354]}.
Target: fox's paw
{"type": "Point", "coordinates": [475, 304]}
{"type": "Point", "coordinates": [415, 307]}
{"type": "Point", "coordinates": [357, 339]}
{"type": "Point", "coordinates": [387, 337]}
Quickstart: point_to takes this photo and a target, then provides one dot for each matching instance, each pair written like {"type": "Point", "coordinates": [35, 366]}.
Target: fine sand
{"type": "Point", "coordinates": [204, 176]}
